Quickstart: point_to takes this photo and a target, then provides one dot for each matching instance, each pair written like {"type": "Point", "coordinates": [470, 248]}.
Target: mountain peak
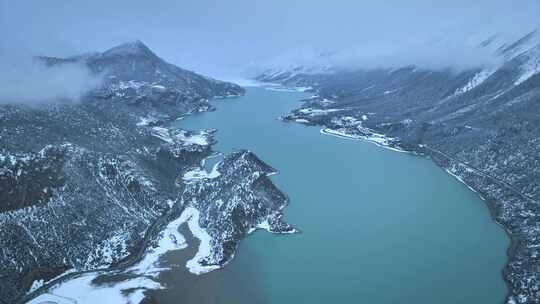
{"type": "Point", "coordinates": [135, 47]}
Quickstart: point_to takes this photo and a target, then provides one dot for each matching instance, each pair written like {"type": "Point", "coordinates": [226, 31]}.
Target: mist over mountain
{"type": "Point", "coordinates": [230, 38]}
{"type": "Point", "coordinates": [71, 147]}
{"type": "Point", "coordinates": [30, 81]}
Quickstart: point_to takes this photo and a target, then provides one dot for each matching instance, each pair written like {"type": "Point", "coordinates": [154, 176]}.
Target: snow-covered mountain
{"type": "Point", "coordinates": [481, 124]}
{"type": "Point", "coordinates": [133, 64]}
{"type": "Point", "coordinates": [90, 185]}
{"type": "Point", "coordinates": [523, 53]}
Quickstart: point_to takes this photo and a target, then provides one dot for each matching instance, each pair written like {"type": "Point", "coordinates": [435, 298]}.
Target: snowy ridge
{"type": "Point", "coordinates": [135, 47]}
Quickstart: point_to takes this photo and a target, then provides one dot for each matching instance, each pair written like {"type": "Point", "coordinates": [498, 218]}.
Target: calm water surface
{"type": "Point", "coordinates": [378, 226]}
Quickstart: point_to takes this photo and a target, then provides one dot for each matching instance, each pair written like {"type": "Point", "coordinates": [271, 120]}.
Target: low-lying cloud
{"type": "Point", "coordinates": [29, 81]}
{"type": "Point", "coordinates": [229, 38]}
{"type": "Point", "coordinates": [429, 55]}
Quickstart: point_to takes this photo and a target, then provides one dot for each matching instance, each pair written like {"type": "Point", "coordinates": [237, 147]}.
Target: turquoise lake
{"type": "Point", "coordinates": [378, 226]}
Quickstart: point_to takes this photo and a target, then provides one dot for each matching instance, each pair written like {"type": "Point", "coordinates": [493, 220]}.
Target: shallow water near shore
{"type": "Point", "coordinates": [378, 226]}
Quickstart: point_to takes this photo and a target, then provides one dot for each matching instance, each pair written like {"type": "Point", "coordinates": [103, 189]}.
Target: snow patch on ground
{"type": "Point", "coordinates": [114, 246]}
{"type": "Point", "coordinates": [377, 139]}
{"type": "Point", "coordinates": [145, 121]}
{"type": "Point", "coordinates": [199, 174]}
{"type": "Point", "coordinates": [191, 216]}
{"type": "Point", "coordinates": [131, 84]}
{"type": "Point", "coordinates": [81, 291]}
{"type": "Point", "coordinates": [286, 89]}
{"type": "Point", "coordinates": [163, 134]}
{"type": "Point", "coordinates": [158, 86]}
{"type": "Point", "coordinates": [169, 239]}
{"type": "Point", "coordinates": [326, 102]}
{"type": "Point", "coordinates": [315, 112]}
{"type": "Point", "coordinates": [407, 121]}
{"type": "Point", "coordinates": [477, 80]}
{"type": "Point", "coordinates": [186, 138]}
{"type": "Point", "coordinates": [13, 160]}
{"type": "Point", "coordinates": [198, 138]}
{"type": "Point", "coordinates": [264, 225]}
{"type": "Point", "coordinates": [36, 284]}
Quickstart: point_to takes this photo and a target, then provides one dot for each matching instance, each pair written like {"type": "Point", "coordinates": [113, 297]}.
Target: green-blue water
{"type": "Point", "coordinates": [378, 226]}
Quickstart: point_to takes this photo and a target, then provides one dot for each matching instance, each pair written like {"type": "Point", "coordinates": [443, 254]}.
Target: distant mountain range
{"type": "Point", "coordinates": [480, 124]}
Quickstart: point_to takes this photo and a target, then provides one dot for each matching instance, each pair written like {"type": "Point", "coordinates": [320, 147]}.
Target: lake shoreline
{"type": "Point", "coordinates": [310, 233]}
{"type": "Point", "coordinates": [274, 106]}
{"type": "Point", "coordinates": [424, 151]}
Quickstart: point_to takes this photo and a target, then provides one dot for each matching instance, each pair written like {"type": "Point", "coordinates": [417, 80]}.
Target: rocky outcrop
{"type": "Point", "coordinates": [234, 199]}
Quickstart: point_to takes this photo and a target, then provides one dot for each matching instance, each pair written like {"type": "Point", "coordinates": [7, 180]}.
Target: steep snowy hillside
{"type": "Point", "coordinates": [480, 124]}
{"type": "Point", "coordinates": [90, 184]}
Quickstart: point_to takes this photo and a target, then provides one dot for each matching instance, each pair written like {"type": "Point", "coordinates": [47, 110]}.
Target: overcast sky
{"type": "Point", "coordinates": [223, 38]}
